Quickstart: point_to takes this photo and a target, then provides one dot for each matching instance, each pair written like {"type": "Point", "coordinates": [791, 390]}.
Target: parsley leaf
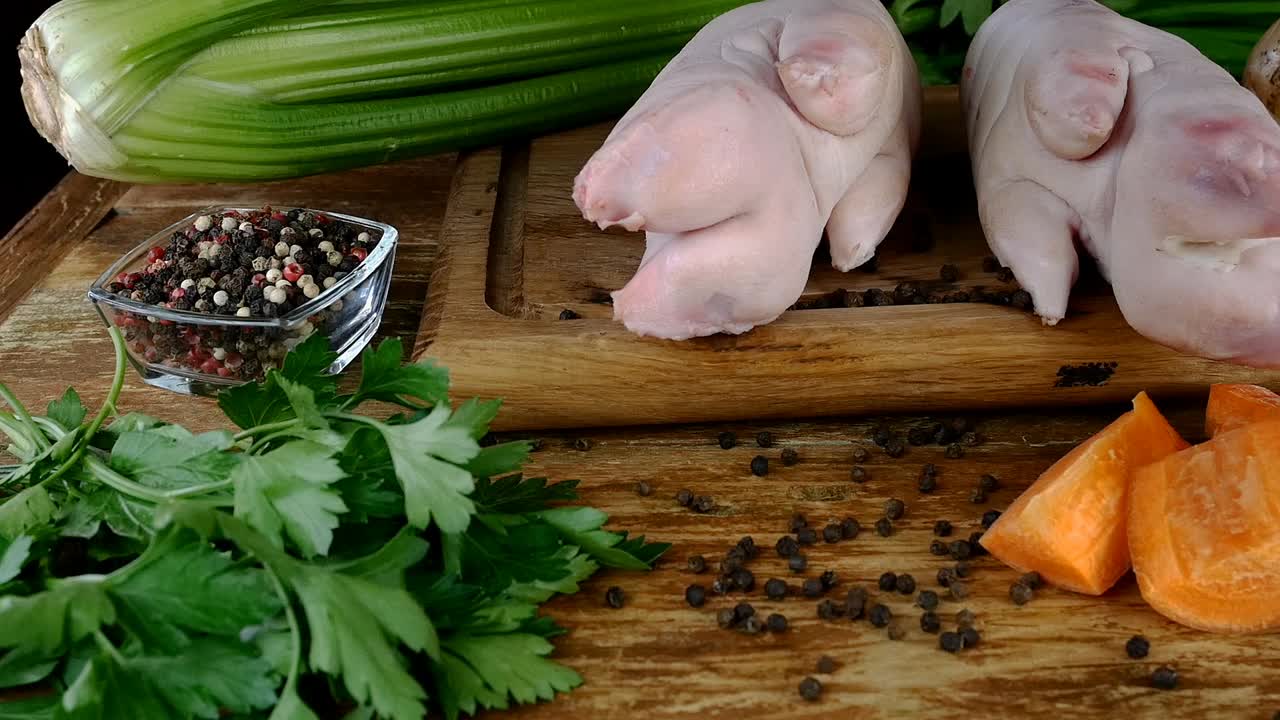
{"type": "Point", "coordinates": [973, 12]}
{"type": "Point", "coordinates": [383, 377]}
{"type": "Point", "coordinates": [68, 411]}
{"type": "Point", "coordinates": [501, 459]}
{"type": "Point", "coordinates": [162, 462]}
{"type": "Point", "coordinates": [486, 671]}
{"type": "Point", "coordinates": [369, 488]}
{"type": "Point", "coordinates": [13, 555]}
{"type": "Point", "coordinates": [40, 707]}
{"type": "Point", "coordinates": [253, 404]}
{"type": "Point", "coordinates": [289, 489]}
{"type": "Point", "coordinates": [476, 416]}
{"type": "Point", "coordinates": [581, 526]}
{"type": "Point", "coordinates": [47, 623]}
{"type": "Point", "coordinates": [524, 553]}
{"type": "Point", "coordinates": [579, 567]}
{"type": "Point", "coordinates": [29, 509]}
{"type": "Point", "coordinates": [515, 494]}
{"type": "Point", "coordinates": [19, 668]}
{"type": "Point", "coordinates": [426, 455]}
{"type": "Point", "coordinates": [388, 564]}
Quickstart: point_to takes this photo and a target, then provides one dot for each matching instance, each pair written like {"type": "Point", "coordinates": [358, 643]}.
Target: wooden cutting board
{"type": "Point", "coordinates": [515, 253]}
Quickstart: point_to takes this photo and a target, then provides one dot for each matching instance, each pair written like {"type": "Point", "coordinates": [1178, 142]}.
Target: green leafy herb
{"type": "Point", "coordinates": [13, 555]}
{"type": "Point", "coordinates": [288, 489]}
{"type": "Point", "coordinates": [385, 378]}
{"type": "Point", "coordinates": [68, 411]}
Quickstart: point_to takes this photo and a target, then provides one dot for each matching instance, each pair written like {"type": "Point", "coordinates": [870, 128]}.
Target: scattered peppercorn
{"type": "Point", "coordinates": [748, 547]}
{"type": "Point", "coordinates": [721, 585]}
{"type": "Point", "coordinates": [939, 548]}
{"type": "Point", "coordinates": [949, 273]}
{"type": "Point", "coordinates": [859, 474]}
{"type": "Point", "coordinates": [811, 588]}
{"type": "Point", "coordinates": [855, 603]}
{"type": "Point", "coordinates": [905, 584]}
{"type": "Point", "coordinates": [831, 533]}
{"type": "Point", "coordinates": [928, 483]}
{"type": "Point", "coordinates": [880, 615]}
{"type": "Point", "coordinates": [946, 576]}
{"type": "Point", "coordinates": [927, 599]}
{"type": "Point", "coordinates": [963, 569]}
{"type": "Point", "coordinates": [959, 590]}
{"type": "Point", "coordinates": [1138, 647]}
{"type": "Point", "coordinates": [568, 314]}
{"type": "Point", "coordinates": [960, 549]}
{"type": "Point", "coordinates": [895, 448]}
{"type": "Point", "coordinates": [884, 527]}
{"type": "Point", "coordinates": [810, 689]}
{"type": "Point", "coordinates": [989, 518]}
{"type": "Point", "coordinates": [725, 618]}
{"type": "Point", "coordinates": [942, 528]}
{"type": "Point", "coordinates": [807, 536]}
{"type": "Point", "coordinates": [764, 439]}
{"type": "Point", "coordinates": [826, 665]}
{"type": "Point", "coordinates": [894, 509]}
{"type": "Point", "coordinates": [697, 564]}
{"type": "Point", "coordinates": [732, 561]}
{"type": "Point", "coordinates": [753, 625]}
{"type": "Point", "coordinates": [969, 637]}
{"type": "Point", "coordinates": [744, 579]}
{"type": "Point", "coordinates": [950, 642]}
{"type": "Point", "coordinates": [828, 579]}
{"type": "Point", "coordinates": [944, 435]}
{"type": "Point", "coordinates": [1004, 274]}
{"type": "Point", "coordinates": [971, 439]}
{"type": "Point", "coordinates": [790, 457]}
{"type": "Point", "coordinates": [742, 611]}
{"type": "Point", "coordinates": [849, 528]}
{"type": "Point", "coordinates": [775, 589]}
{"type": "Point", "coordinates": [615, 597]}
{"type": "Point", "coordinates": [695, 595]}
{"type": "Point", "coordinates": [965, 618]}
{"type": "Point", "coordinates": [881, 436]}
{"type": "Point", "coordinates": [930, 623]}
{"type": "Point", "coordinates": [989, 483]}
{"type": "Point", "coordinates": [797, 563]}
{"type": "Point", "coordinates": [759, 466]}
{"type": "Point", "coordinates": [1020, 594]}
{"type": "Point", "coordinates": [889, 581]}
{"type": "Point", "coordinates": [978, 496]}
{"type": "Point", "coordinates": [860, 454]}
{"type": "Point", "coordinates": [776, 623]}
{"type": "Point", "coordinates": [975, 544]}
{"type": "Point", "coordinates": [787, 546]}
{"type": "Point", "coordinates": [990, 264]}
{"type": "Point", "coordinates": [955, 451]}
{"type": "Point", "coordinates": [703, 504]}
{"type": "Point", "coordinates": [827, 610]}
{"type": "Point", "coordinates": [798, 521]}
{"type": "Point", "coordinates": [918, 436]}
{"type": "Point", "coordinates": [1164, 678]}
{"type": "Point", "coordinates": [643, 489]}
{"type": "Point", "coordinates": [582, 444]}
{"type": "Point", "coordinates": [684, 498]}
{"type": "Point", "coordinates": [1032, 580]}
{"type": "Point", "coordinates": [727, 440]}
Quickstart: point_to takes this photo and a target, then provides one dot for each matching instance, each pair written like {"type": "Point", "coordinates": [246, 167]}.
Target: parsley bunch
{"type": "Point", "coordinates": [315, 563]}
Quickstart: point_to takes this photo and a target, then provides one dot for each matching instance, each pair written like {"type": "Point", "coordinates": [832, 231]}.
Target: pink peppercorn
{"type": "Point", "coordinates": [154, 254]}
{"type": "Point", "coordinates": [259, 279]}
{"type": "Point", "coordinates": [359, 253]}
{"type": "Point", "coordinates": [292, 272]}
{"type": "Point", "coordinates": [233, 360]}
{"type": "Point", "coordinates": [177, 293]}
{"type": "Point", "coordinates": [210, 366]}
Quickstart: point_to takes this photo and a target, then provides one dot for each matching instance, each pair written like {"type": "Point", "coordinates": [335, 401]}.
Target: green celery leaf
{"type": "Point", "coordinates": [29, 509]}
{"type": "Point", "coordinates": [13, 555]}
{"type": "Point", "coordinates": [182, 585]}
{"type": "Point", "coordinates": [18, 668]}
{"type": "Point", "coordinates": [162, 462]}
{"type": "Point", "coordinates": [476, 416]}
{"type": "Point", "coordinates": [501, 459]}
{"type": "Point", "coordinates": [210, 675]}
{"type": "Point", "coordinates": [46, 623]}
{"type": "Point", "coordinates": [288, 489]}
{"type": "Point", "coordinates": [41, 707]}
{"type": "Point", "coordinates": [427, 455]}
{"type": "Point", "coordinates": [581, 526]}
{"type": "Point", "coordinates": [487, 671]}
{"type": "Point", "coordinates": [384, 377]}
{"type": "Point", "coordinates": [356, 626]}
{"type": "Point", "coordinates": [387, 566]}
{"type": "Point", "coordinates": [253, 404]}
{"type": "Point", "coordinates": [68, 411]}
{"type": "Point", "coordinates": [527, 552]}
{"type": "Point", "coordinates": [516, 494]}
{"type": "Point", "coordinates": [369, 488]}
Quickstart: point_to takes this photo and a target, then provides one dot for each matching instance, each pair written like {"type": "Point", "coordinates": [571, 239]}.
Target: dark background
{"type": "Point", "coordinates": [35, 165]}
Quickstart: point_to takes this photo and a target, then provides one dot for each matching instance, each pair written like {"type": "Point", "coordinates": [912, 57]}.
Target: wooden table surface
{"type": "Point", "coordinates": [1062, 655]}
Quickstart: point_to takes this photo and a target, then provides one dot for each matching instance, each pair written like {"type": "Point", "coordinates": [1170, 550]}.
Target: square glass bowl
{"type": "Point", "coordinates": [172, 349]}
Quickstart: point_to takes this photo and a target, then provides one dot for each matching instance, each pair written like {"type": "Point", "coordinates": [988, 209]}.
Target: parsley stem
{"type": "Point", "coordinates": [22, 441]}
{"type": "Point", "coordinates": [268, 427]}
{"type": "Point", "coordinates": [107, 646]}
{"type": "Point", "coordinates": [120, 483]}
{"type": "Point", "coordinates": [295, 631]}
{"type": "Point", "coordinates": [199, 489]}
{"type": "Point", "coordinates": [24, 417]}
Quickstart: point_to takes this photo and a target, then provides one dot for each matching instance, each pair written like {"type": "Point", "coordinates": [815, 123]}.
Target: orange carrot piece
{"type": "Point", "coordinates": [1204, 532]}
{"type": "Point", "coordinates": [1231, 407]}
{"type": "Point", "coordinates": [1070, 524]}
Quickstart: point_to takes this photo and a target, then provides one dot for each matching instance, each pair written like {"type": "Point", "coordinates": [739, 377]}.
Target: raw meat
{"type": "Point", "coordinates": [1085, 126]}
{"type": "Point", "coordinates": [778, 119]}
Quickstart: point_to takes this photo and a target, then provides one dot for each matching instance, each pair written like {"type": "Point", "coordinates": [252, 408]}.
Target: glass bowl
{"type": "Point", "coordinates": [200, 353]}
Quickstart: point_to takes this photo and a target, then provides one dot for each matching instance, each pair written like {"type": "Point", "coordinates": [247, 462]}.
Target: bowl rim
{"type": "Point", "coordinates": [380, 254]}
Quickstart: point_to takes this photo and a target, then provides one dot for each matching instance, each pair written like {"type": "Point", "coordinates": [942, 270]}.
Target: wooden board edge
{"type": "Point", "coordinates": [44, 236]}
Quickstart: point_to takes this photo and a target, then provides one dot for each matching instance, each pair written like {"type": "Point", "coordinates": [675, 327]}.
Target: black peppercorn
{"type": "Point", "coordinates": [759, 466]}
{"type": "Point", "coordinates": [798, 521]}
{"type": "Point", "coordinates": [790, 457]}
{"type": "Point", "coordinates": [806, 536]}
{"type": "Point", "coordinates": [684, 498]}
{"type": "Point", "coordinates": [811, 588]}
{"type": "Point", "coordinates": [894, 509]}
{"type": "Point", "coordinates": [742, 611]}
{"type": "Point", "coordinates": [1004, 274]}
{"type": "Point", "coordinates": [990, 264]}
{"type": "Point", "coordinates": [895, 448]}
{"type": "Point", "coordinates": [727, 440]}
{"type": "Point", "coordinates": [753, 625]}
{"type": "Point", "coordinates": [787, 546]}
{"type": "Point", "coordinates": [906, 584]}
{"type": "Point", "coordinates": [955, 451]}
{"type": "Point", "coordinates": [946, 576]}
{"type": "Point", "coordinates": [884, 527]}
{"type": "Point", "coordinates": [567, 314]}
{"type": "Point", "coordinates": [950, 642]}
{"type": "Point", "coordinates": [918, 436]}
{"type": "Point", "coordinates": [827, 610]}
{"type": "Point", "coordinates": [703, 504]}
{"type": "Point", "coordinates": [797, 563]}
{"type": "Point", "coordinates": [989, 483]}
{"type": "Point", "coordinates": [697, 564]}
{"type": "Point", "coordinates": [944, 435]}
{"type": "Point", "coordinates": [888, 581]}
{"type": "Point", "coordinates": [880, 615]}
{"type": "Point", "coordinates": [949, 273]}
{"type": "Point", "coordinates": [971, 439]}
{"type": "Point", "coordinates": [989, 518]}
{"type": "Point", "coordinates": [810, 689]}
{"type": "Point", "coordinates": [615, 597]}
{"type": "Point", "coordinates": [695, 595]}
{"type": "Point", "coordinates": [721, 585]}
{"type": "Point", "coordinates": [826, 665]}
{"type": "Point", "coordinates": [828, 579]}
{"type": "Point", "coordinates": [744, 579]}
{"type": "Point", "coordinates": [969, 637]}
{"type": "Point", "coordinates": [1020, 594]}
{"type": "Point", "coordinates": [928, 483]}
{"type": "Point", "coordinates": [643, 489]}
{"type": "Point", "coordinates": [975, 544]}
{"type": "Point", "coordinates": [930, 623]}
{"type": "Point", "coordinates": [776, 623]}
{"type": "Point", "coordinates": [1031, 580]}
{"type": "Point", "coordinates": [927, 600]}
{"type": "Point", "coordinates": [860, 455]}
{"type": "Point", "coordinates": [849, 528]}
{"type": "Point", "coordinates": [978, 496]}
{"type": "Point", "coordinates": [939, 548]}
{"type": "Point", "coordinates": [942, 528]}
{"type": "Point", "coordinates": [963, 569]}
{"type": "Point", "coordinates": [831, 533]}
{"type": "Point", "coordinates": [859, 474]}
{"type": "Point", "coordinates": [764, 439]}
{"type": "Point", "coordinates": [748, 547]}
{"type": "Point", "coordinates": [582, 444]}
{"type": "Point", "coordinates": [960, 550]}
{"type": "Point", "coordinates": [881, 436]}
{"type": "Point", "coordinates": [725, 618]}
{"type": "Point", "coordinates": [855, 603]}
{"type": "Point", "coordinates": [1138, 647]}
{"type": "Point", "coordinates": [959, 590]}
{"type": "Point", "coordinates": [965, 618]}
{"type": "Point", "coordinates": [775, 589]}
{"type": "Point", "coordinates": [732, 561]}
{"type": "Point", "coordinates": [1164, 678]}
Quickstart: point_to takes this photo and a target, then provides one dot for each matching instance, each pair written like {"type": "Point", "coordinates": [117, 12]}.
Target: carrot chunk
{"type": "Point", "coordinates": [1070, 524]}
{"type": "Point", "coordinates": [1204, 532]}
{"type": "Point", "coordinates": [1233, 406]}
